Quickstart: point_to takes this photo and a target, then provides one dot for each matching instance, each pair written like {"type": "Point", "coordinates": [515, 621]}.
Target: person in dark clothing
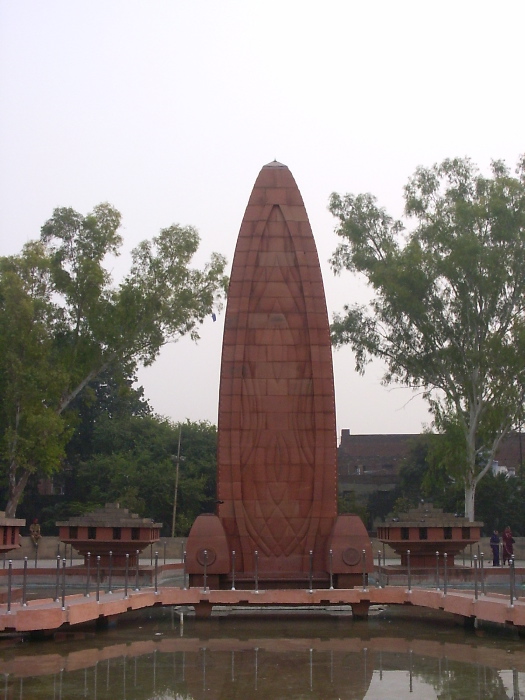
{"type": "Point", "coordinates": [494, 545]}
{"type": "Point", "coordinates": [508, 549]}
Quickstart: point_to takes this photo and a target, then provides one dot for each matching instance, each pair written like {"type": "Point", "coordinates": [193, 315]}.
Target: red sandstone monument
{"type": "Point", "coordinates": [109, 529]}
{"type": "Point", "coordinates": [277, 473]}
{"type": "Point", "coordinates": [426, 530]}
{"type": "Point", "coordinates": [9, 532]}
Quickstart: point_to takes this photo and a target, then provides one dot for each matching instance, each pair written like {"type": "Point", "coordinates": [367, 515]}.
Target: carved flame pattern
{"type": "Point", "coordinates": [277, 446]}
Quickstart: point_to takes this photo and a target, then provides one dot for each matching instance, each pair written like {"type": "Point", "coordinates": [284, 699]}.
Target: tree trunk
{"type": "Point", "coordinates": [470, 495]}
{"type": "Point", "coordinates": [16, 488]}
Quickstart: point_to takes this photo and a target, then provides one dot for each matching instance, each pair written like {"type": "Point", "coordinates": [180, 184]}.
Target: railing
{"type": "Point", "coordinates": [80, 573]}
{"type": "Point", "coordinates": [440, 576]}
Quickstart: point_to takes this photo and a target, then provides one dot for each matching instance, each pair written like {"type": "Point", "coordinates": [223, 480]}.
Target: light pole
{"type": "Point", "coordinates": [519, 429]}
{"type": "Point", "coordinates": [177, 464]}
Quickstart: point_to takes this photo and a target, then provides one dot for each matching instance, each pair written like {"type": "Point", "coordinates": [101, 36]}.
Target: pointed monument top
{"type": "Point", "coordinates": [275, 164]}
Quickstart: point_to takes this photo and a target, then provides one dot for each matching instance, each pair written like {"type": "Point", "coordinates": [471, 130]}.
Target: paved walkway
{"type": "Point", "coordinates": [50, 615]}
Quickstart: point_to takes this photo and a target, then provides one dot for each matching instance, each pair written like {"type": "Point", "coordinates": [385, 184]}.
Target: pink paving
{"type": "Point", "coordinates": [49, 615]}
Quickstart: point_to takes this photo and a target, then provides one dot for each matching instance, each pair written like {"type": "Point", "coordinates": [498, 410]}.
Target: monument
{"type": "Point", "coordinates": [9, 532]}
{"type": "Point", "coordinates": [109, 529]}
{"type": "Point", "coordinates": [276, 519]}
{"type": "Point", "coordinates": [426, 531]}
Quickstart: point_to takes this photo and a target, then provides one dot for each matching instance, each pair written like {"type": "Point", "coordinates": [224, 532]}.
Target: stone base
{"type": "Point", "coordinates": [16, 595]}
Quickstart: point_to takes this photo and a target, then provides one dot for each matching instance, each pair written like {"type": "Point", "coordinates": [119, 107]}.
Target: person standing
{"type": "Point", "coordinates": [34, 531]}
{"type": "Point", "coordinates": [508, 549]}
{"type": "Point", "coordinates": [494, 545]}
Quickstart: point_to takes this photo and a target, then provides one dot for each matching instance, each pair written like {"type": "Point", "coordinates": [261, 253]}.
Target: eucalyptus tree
{"type": "Point", "coordinates": [448, 301]}
{"type": "Point", "coordinates": [64, 323]}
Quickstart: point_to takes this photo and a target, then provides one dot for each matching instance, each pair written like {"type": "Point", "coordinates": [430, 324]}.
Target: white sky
{"type": "Point", "coordinates": [168, 110]}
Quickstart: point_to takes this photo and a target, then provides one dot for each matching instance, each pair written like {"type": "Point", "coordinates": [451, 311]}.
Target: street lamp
{"type": "Point", "coordinates": [177, 464]}
{"type": "Point", "coordinates": [519, 429]}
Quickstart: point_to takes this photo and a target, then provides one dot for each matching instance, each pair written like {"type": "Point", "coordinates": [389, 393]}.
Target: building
{"type": "Point", "coordinates": [370, 463]}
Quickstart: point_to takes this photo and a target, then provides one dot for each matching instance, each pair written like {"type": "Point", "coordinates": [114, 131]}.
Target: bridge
{"type": "Point", "coordinates": [48, 615]}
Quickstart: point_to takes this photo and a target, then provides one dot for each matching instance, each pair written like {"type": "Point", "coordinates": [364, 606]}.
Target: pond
{"type": "Point", "coordinates": [165, 654]}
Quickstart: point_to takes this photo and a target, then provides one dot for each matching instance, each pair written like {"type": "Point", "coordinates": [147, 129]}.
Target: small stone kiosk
{"type": "Point", "coordinates": [110, 529]}
{"type": "Point", "coordinates": [426, 530]}
{"type": "Point", "coordinates": [9, 532]}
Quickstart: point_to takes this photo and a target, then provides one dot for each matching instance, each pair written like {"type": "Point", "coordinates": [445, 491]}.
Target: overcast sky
{"type": "Point", "coordinates": [169, 109]}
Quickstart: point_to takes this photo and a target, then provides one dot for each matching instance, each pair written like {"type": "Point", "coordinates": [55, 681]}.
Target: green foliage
{"type": "Point", "coordinates": [379, 505]}
{"type": "Point", "coordinates": [133, 463]}
{"type": "Point", "coordinates": [401, 505]}
{"type": "Point", "coordinates": [121, 452]}
{"type": "Point", "coordinates": [457, 681]}
{"type": "Point", "coordinates": [421, 478]}
{"type": "Point", "coordinates": [32, 435]}
{"type": "Point", "coordinates": [348, 504]}
{"type": "Point", "coordinates": [448, 316]}
{"type": "Point", "coordinates": [501, 502]}
{"type": "Point", "coordinates": [500, 499]}
{"type": "Point", "coordinates": [63, 324]}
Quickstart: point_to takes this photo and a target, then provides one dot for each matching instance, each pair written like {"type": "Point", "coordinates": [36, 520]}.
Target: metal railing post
{"type": "Point", "coordinates": [409, 573]}
{"type": "Point", "coordinates": [445, 582]}
{"type": "Point", "coordinates": [310, 576]}
{"type": "Point", "coordinates": [511, 581]}
{"type": "Point", "coordinates": [110, 571]}
{"type": "Point", "coordinates": [256, 571]}
{"type": "Point", "coordinates": [437, 571]}
{"type": "Point", "coordinates": [57, 582]}
{"type": "Point", "coordinates": [233, 570]}
{"type": "Point", "coordinates": [156, 573]}
{"type": "Point", "coordinates": [331, 570]}
{"type": "Point", "coordinates": [205, 569]}
{"type": "Point", "coordinates": [137, 571]}
{"type": "Point", "coordinates": [126, 576]}
{"type": "Point", "coordinates": [88, 563]}
{"type": "Point", "coordinates": [379, 573]}
{"type": "Point", "coordinates": [482, 567]}
{"type": "Point", "coordinates": [184, 570]}
{"type": "Point", "coordinates": [64, 583]}
{"type": "Point", "coordinates": [475, 560]}
{"type": "Point", "coordinates": [98, 579]}
{"type": "Point", "coordinates": [364, 568]}
{"type": "Point", "coordinates": [9, 584]}
{"type": "Point", "coordinates": [24, 585]}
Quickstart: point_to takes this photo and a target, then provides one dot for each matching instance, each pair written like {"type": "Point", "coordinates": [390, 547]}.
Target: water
{"type": "Point", "coordinates": [152, 656]}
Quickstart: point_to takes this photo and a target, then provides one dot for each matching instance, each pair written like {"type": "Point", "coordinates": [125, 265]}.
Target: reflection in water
{"type": "Point", "coordinates": [279, 658]}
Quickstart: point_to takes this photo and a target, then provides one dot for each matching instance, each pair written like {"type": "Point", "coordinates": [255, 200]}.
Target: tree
{"type": "Point", "coordinates": [447, 317]}
{"type": "Point", "coordinates": [32, 433]}
{"type": "Point", "coordinates": [422, 477]}
{"type": "Point", "coordinates": [112, 395]}
{"type": "Point", "coordinates": [63, 324]}
{"type": "Point", "coordinates": [132, 462]}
